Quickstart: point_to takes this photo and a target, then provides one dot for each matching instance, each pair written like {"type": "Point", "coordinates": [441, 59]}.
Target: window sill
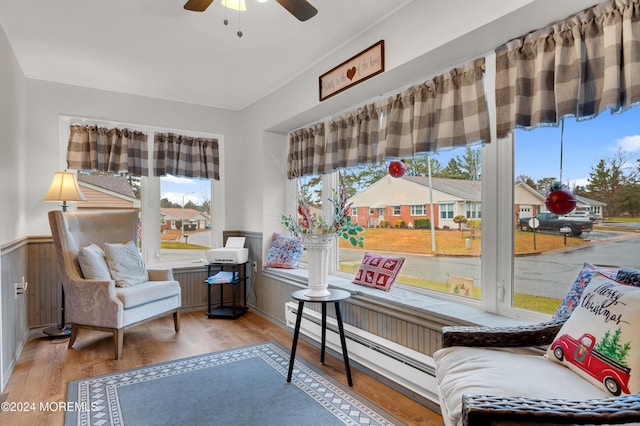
{"type": "Point", "coordinates": [404, 301]}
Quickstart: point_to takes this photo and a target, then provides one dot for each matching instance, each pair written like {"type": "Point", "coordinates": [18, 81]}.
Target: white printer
{"type": "Point", "coordinates": [232, 252]}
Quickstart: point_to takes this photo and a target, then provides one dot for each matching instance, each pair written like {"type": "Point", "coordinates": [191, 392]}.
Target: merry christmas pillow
{"type": "Point", "coordinates": [378, 271]}
{"type": "Point", "coordinates": [599, 341]}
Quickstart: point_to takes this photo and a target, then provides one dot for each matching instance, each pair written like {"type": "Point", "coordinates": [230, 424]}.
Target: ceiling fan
{"type": "Point", "coordinates": [301, 9]}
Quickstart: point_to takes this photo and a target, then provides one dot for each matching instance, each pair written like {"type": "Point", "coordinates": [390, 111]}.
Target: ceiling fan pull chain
{"type": "Point", "coordinates": [239, 33]}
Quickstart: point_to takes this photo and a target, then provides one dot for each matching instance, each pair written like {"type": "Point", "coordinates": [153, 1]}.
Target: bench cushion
{"type": "Point", "coordinates": [483, 371]}
{"type": "Point", "coordinates": [147, 292]}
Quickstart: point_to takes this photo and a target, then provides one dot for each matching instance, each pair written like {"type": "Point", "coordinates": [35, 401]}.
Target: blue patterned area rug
{"type": "Point", "coordinates": [242, 386]}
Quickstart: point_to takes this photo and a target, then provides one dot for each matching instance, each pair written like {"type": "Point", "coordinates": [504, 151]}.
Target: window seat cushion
{"type": "Point", "coordinates": [483, 371]}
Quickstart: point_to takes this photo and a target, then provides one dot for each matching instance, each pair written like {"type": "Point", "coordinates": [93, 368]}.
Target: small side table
{"type": "Point", "coordinates": [222, 311]}
{"type": "Point", "coordinates": [335, 297]}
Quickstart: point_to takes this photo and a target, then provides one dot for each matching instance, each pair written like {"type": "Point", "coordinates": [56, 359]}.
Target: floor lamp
{"type": "Point", "coordinates": [64, 187]}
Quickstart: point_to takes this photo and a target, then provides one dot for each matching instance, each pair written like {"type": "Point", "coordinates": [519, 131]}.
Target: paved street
{"type": "Point", "coordinates": [547, 275]}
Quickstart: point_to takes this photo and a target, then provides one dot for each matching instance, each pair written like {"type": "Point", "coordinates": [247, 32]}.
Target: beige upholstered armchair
{"type": "Point", "coordinates": [89, 246]}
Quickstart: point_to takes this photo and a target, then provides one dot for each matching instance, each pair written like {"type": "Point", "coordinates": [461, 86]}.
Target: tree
{"type": "Point", "coordinates": [545, 183]}
{"type": "Point", "coordinates": [606, 181]}
{"type": "Point", "coordinates": [166, 203]}
{"type": "Point", "coordinates": [527, 180]}
{"type": "Point", "coordinates": [467, 166]}
{"type": "Point", "coordinates": [419, 166]}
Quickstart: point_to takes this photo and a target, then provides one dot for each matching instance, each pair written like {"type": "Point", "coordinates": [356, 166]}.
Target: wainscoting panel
{"type": "Point", "coordinates": [14, 258]}
{"type": "Point", "coordinates": [45, 297]}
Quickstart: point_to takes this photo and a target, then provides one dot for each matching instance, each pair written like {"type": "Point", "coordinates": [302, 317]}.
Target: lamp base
{"type": "Point", "coordinates": [57, 331]}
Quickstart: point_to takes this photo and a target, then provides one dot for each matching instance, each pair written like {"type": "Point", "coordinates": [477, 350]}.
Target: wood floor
{"type": "Point", "coordinates": [46, 365]}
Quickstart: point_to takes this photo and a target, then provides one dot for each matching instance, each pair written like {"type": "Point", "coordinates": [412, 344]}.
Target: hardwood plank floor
{"type": "Point", "coordinates": [46, 365]}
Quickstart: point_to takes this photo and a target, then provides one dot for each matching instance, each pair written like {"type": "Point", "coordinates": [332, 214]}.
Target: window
{"type": "Point", "coordinates": [506, 270]}
{"type": "Point", "coordinates": [410, 234]}
{"type": "Point", "coordinates": [418, 210]}
{"type": "Point", "coordinates": [446, 210]}
{"type": "Point", "coordinates": [185, 206]}
{"type": "Point", "coordinates": [179, 218]}
{"type": "Point", "coordinates": [354, 211]}
{"type": "Point", "coordinates": [473, 210]}
{"type": "Point", "coordinates": [596, 165]}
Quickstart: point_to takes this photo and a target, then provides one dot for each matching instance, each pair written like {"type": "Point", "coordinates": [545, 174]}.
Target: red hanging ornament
{"type": "Point", "coordinates": [397, 168]}
{"type": "Point", "coordinates": [560, 200]}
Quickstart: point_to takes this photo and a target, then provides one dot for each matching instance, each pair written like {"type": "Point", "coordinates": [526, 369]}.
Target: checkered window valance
{"type": "Point", "coordinates": [579, 67]}
{"type": "Point", "coordinates": [447, 111]}
{"type": "Point", "coordinates": [186, 156]}
{"type": "Point", "coordinates": [107, 150]}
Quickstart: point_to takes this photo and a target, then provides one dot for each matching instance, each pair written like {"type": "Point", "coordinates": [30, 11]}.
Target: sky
{"type": "Point", "coordinates": [585, 143]}
{"type": "Point", "coordinates": [175, 188]}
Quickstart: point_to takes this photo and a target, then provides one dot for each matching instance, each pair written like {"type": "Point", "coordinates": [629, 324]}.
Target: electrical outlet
{"type": "Point", "coordinates": [21, 288]}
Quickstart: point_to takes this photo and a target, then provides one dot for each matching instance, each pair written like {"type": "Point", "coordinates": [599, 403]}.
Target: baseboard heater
{"type": "Point", "coordinates": [410, 369]}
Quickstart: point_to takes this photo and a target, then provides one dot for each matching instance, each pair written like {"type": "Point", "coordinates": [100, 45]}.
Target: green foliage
{"type": "Point", "coordinates": [421, 223]}
{"type": "Point", "coordinates": [474, 224]}
{"type": "Point", "coordinates": [400, 224]}
{"type": "Point", "coordinates": [460, 219]}
{"type": "Point", "coordinates": [384, 224]}
{"type": "Point", "coordinates": [611, 347]}
{"type": "Point", "coordinates": [467, 166]}
{"type": "Point", "coordinates": [312, 223]}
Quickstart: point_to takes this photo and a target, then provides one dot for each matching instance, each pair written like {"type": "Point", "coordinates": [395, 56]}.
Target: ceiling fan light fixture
{"type": "Point", "coordinates": [235, 4]}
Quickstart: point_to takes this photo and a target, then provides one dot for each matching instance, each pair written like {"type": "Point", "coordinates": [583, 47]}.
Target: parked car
{"type": "Point", "coordinates": [550, 222]}
{"type": "Point", "coordinates": [577, 215]}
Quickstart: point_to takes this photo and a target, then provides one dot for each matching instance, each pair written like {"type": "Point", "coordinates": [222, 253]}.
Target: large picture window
{"type": "Point", "coordinates": [598, 161]}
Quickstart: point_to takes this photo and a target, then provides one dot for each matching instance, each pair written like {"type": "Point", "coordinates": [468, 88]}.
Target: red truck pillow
{"type": "Point", "coordinates": [598, 341]}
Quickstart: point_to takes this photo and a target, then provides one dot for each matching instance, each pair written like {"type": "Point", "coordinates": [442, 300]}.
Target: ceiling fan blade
{"type": "Point", "coordinates": [197, 5]}
{"type": "Point", "coordinates": [301, 9]}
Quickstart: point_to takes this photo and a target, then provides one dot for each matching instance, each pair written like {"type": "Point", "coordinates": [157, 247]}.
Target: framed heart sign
{"type": "Point", "coordinates": [360, 67]}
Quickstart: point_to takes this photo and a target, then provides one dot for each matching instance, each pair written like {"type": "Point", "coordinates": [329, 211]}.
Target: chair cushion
{"type": "Point", "coordinates": [600, 341]}
{"type": "Point", "coordinates": [93, 264]}
{"type": "Point", "coordinates": [125, 264]}
{"type": "Point", "coordinates": [482, 371]}
{"type": "Point", "coordinates": [147, 292]}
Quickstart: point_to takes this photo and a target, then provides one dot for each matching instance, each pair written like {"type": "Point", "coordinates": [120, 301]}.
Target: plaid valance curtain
{"type": "Point", "coordinates": [186, 156]}
{"type": "Point", "coordinates": [448, 111]}
{"type": "Point", "coordinates": [578, 67]}
{"type": "Point", "coordinates": [107, 150]}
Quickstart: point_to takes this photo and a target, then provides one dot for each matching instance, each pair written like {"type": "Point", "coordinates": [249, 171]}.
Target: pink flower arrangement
{"type": "Point", "coordinates": [312, 223]}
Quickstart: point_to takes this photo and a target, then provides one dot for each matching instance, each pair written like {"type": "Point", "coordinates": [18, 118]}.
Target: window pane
{"type": "Point", "coordinates": [598, 161]}
{"type": "Point", "coordinates": [185, 218]}
{"type": "Point", "coordinates": [398, 214]}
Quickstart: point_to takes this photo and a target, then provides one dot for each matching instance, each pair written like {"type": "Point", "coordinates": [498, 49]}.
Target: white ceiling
{"type": "Point", "coordinates": [156, 48]}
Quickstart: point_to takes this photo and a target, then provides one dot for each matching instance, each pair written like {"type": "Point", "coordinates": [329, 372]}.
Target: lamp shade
{"type": "Point", "coordinates": [64, 187]}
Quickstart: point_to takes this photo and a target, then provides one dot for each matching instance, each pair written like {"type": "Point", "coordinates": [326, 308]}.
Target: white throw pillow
{"type": "Point", "coordinates": [600, 341]}
{"type": "Point", "coordinates": [93, 264]}
{"type": "Point", "coordinates": [125, 264]}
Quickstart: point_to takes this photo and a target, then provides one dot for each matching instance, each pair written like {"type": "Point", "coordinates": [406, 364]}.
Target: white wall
{"type": "Point", "coordinates": [13, 142]}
